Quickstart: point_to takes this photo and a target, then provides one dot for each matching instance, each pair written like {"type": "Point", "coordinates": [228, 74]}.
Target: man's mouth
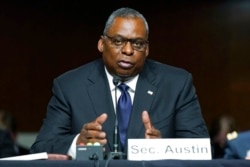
{"type": "Point", "coordinates": [125, 64]}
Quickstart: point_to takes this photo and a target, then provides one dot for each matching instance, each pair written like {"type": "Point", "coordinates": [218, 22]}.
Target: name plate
{"type": "Point", "coordinates": [177, 148]}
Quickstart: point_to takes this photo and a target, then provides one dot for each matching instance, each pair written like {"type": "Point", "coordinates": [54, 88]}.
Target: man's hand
{"type": "Point", "coordinates": [92, 132]}
{"type": "Point", "coordinates": [150, 132]}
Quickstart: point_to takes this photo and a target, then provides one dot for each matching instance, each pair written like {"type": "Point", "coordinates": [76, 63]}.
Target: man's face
{"type": "Point", "coordinates": [125, 47]}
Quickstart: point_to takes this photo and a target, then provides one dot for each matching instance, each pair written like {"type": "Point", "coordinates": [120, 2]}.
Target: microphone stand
{"type": "Point", "coordinates": [116, 154]}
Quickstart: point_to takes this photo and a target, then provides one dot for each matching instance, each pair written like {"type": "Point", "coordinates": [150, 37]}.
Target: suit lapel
{"type": "Point", "coordinates": [144, 95]}
{"type": "Point", "coordinates": [99, 93]}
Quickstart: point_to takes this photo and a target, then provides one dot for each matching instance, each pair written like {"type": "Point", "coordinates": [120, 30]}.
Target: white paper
{"type": "Point", "coordinates": [35, 156]}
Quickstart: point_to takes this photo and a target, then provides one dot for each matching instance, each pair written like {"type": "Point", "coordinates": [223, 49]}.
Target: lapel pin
{"type": "Point", "coordinates": [150, 92]}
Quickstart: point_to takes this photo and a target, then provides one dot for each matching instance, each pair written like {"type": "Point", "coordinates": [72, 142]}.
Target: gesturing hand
{"type": "Point", "coordinates": [150, 131]}
{"type": "Point", "coordinates": [92, 132]}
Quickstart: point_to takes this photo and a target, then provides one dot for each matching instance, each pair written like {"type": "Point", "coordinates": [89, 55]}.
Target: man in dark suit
{"type": "Point", "coordinates": [238, 145]}
{"type": "Point", "coordinates": [6, 144]}
{"type": "Point", "coordinates": [83, 106]}
{"type": "Point", "coordinates": [8, 122]}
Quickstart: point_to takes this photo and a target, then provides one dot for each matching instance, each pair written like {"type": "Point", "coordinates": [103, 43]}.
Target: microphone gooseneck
{"type": "Point", "coordinates": [116, 154]}
{"type": "Point", "coordinates": [116, 80]}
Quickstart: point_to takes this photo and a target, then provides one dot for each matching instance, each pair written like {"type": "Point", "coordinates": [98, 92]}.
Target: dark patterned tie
{"type": "Point", "coordinates": [124, 108]}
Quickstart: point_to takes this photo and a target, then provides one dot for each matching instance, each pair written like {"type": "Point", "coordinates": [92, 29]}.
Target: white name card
{"type": "Point", "coordinates": [178, 148]}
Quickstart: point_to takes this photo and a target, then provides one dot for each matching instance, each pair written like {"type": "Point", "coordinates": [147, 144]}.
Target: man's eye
{"type": "Point", "coordinates": [118, 41]}
{"type": "Point", "coordinates": [138, 43]}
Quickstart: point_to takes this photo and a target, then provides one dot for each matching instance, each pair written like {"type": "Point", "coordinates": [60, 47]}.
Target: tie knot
{"type": "Point", "coordinates": [123, 87]}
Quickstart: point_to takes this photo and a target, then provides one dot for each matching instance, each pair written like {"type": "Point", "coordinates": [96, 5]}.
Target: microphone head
{"type": "Point", "coordinates": [116, 80]}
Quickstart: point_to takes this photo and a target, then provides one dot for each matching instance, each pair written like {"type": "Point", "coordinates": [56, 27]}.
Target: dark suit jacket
{"type": "Point", "coordinates": [21, 150]}
{"type": "Point", "coordinates": [82, 94]}
{"type": "Point", "coordinates": [6, 144]}
{"type": "Point", "coordinates": [236, 148]}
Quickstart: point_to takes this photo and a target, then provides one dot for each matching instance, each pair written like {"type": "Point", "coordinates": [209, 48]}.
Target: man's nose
{"type": "Point", "coordinates": [128, 48]}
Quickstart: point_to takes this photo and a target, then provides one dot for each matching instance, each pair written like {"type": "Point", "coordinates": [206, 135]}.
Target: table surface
{"type": "Point", "coordinates": [126, 163]}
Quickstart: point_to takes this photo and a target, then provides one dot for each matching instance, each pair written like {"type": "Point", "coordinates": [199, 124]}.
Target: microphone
{"type": "Point", "coordinates": [116, 80]}
{"type": "Point", "coordinates": [116, 154]}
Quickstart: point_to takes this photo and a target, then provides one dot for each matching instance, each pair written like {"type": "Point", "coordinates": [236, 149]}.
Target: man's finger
{"type": "Point", "coordinates": [146, 120]}
{"type": "Point", "coordinates": [102, 118]}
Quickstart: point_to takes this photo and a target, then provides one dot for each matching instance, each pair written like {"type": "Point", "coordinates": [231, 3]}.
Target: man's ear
{"type": "Point", "coordinates": [100, 45]}
{"type": "Point", "coordinates": [147, 51]}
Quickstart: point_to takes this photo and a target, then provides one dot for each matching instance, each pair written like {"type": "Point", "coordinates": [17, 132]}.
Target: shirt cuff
{"type": "Point", "coordinates": [72, 149]}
